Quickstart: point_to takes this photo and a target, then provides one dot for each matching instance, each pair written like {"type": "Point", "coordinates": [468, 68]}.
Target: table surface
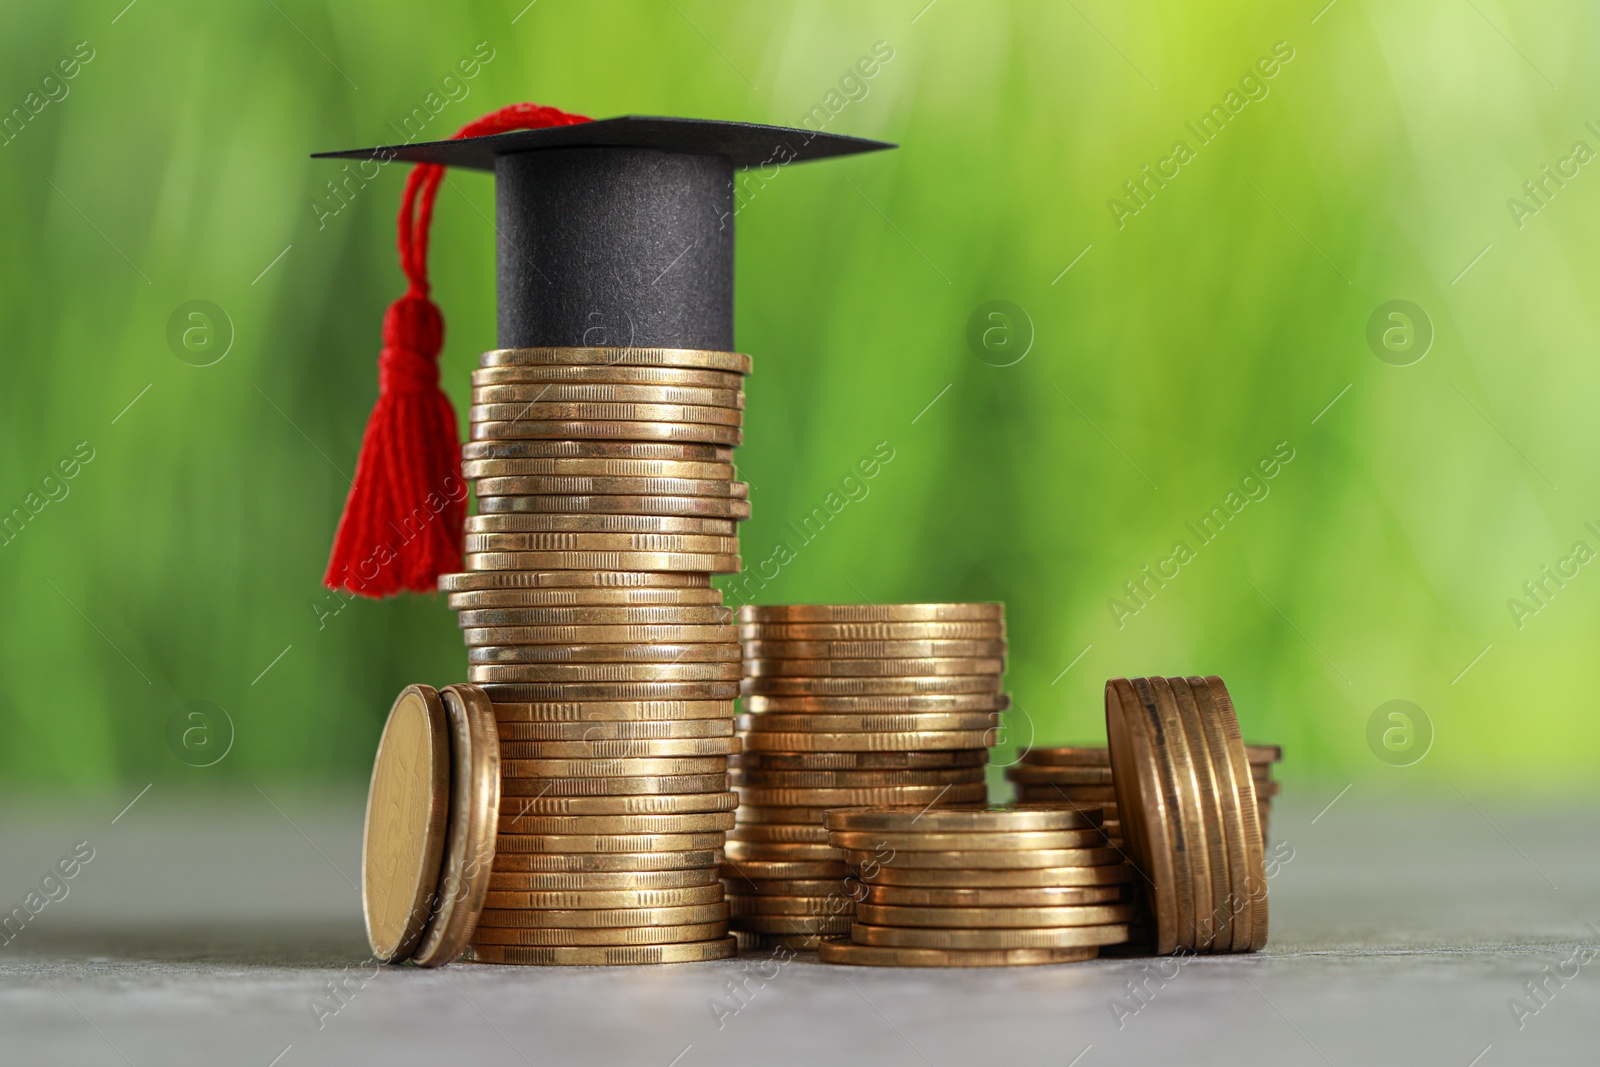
{"type": "Point", "coordinates": [205, 930]}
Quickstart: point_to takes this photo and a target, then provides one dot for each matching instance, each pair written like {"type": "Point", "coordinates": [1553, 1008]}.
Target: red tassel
{"type": "Point", "coordinates": [402, 522]}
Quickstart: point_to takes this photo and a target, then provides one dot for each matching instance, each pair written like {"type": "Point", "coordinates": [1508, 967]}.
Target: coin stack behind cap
{"type": "Point", "coordinates": [892, 704]}
{"type": "Point", "coordinates": [1190, 818]}
{"type": "Point", "coordinates": [1080, 777]}
{"type": "Point", "coordinates": [607, 498]}
{"type": "Point", "coordinates": [989, 888]}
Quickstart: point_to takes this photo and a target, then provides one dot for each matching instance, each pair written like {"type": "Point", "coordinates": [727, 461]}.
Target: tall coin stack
{"type": "Point", "coordinates": [607, 498]}
{"type": "Point", "coordinates": [892, 704]}
{"type": "Point", "coordinates": [1190, 818]}
{"type": "Point", "coordinates": [1080, 777]}
{"type": "Point", "coordinates": [1003, 887]}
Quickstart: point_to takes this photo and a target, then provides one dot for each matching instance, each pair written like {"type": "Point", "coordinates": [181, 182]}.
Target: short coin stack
{"type": "Point", "coordinates": [1080, 777]}
{"type": "Point", "coordinates": [988, 888]}
{"type": "Point", "coordinates": [892, 704]}
{"type": "Point", "coordinates": [1190, 818]}
{"type": "Point", "coordinates": [607, 498]}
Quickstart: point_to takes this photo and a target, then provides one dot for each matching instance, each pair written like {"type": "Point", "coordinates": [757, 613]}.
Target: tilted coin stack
{"type": "Point", "coordinates": [892, 704]}
{"type": "Point", "coordinates": [999, 887]}
{"type": "Point", "coordinates": [1190, 817]}
{"type": "Point", "coordinates": [607, 498]}
{"type": "Point", "coordinates": [1080, 777]}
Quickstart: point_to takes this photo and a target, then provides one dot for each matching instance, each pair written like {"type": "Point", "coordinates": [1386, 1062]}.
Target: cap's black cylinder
{"type": "Point", "coordinates": [617, 247]}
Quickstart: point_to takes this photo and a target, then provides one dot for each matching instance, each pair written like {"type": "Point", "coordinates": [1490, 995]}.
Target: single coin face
{"type": "Point", "coordinates": [407, 813]}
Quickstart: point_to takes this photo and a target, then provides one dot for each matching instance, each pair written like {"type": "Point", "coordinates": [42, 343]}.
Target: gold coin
{"type": "Point", "coordinates": [1083, 855]}
{"type": "Point", "coordinates": [708, 359]}
{"type": "Point", "coordinates": [802, 833]}
{"type": "Point", "coordinates": [570, 579]}
{"type": "Point", "coordinates": [611, 825]}
{"type": "Point", "coordinates": [607, 692]}
{"type": "Point", "coordinates": [784, 722]}
{"type": "Point", "coordinates": [795, 924]}
{"type": "Point", "coordinates": [1068, 757]}
{"type": "Point", "coordinates": [850, 650]}
{"type": "Point", "coordinates": [615, 898]}
{"type": "Point", "coordinates": [590, 449]}
{"type": "Point", "coordinates": [1052, 897]}
{"type": "Point", "coordinates": [681, 860]}
{"type": "Point", "coordinates": [1065, 796]}
{"type": "Point", "coordinates": [708, 507]}
{"type": "Point", "coordinates": [778, 796]}
{"type": "Point", "coordinates": [1215, 926]}
{"type": "Point", "coordinates": [723, 473]}
{"type": "Point", "coordinates": [624, 748]}
{"type": "Point", "coordinates": [979, 683]}
{"type": "Point", "coordinates": [573, 598]}
{"type": "Point", "coordinates": [608, 374]}
{"type": "Point", "coordinates": [1173, 746]}
{"type": "Point", "coordinates": [601, 918]}
{"type": "Point", "coordinates": [700, 718]}
{"type": "Point", "coordinates": [990, 820]}
{"type": "Point", "coordinates": [790, 887]}
{"type": "Point", "coordinates": [574, 621]}
{"type": "Point", "coordinates": [1147, 817]}
{"type": "Point", "coordinates": [739, 851]}
{"type": "Point", "coordinates": [614, 787]}
{"type": "Point", "coordinates": [918, 841]}
{"type": "Point", "coordinates": [753, 814]}
{"type": "Point", "coordinates": [622, 561]}
{"type": "Point", "coordinates": [579, 411]}
{"type": "Point", "coordinates": [1023, 772]}
{"type": "Point", "coordinates": [500, 646]}
{"type": "Point", "coordinates": [749, 872]}
{"type": "Point", "coordinates": [838, 779]}
{"type": "Point", "coordinates": [1259, 754]}
{"type": "Point", "coordinates": [625, 935]}
{"type": "Point", "coordinates": [592, 394]}
{"type": "Point", "coordinates": [470, 838]}
{"type": "Point", "coordinates": [879, 705]}
{"type": "Point", "coordinates": [1250, 811]}
{"type": "Point", "coordinates": [408, 809]}
{"type": "Point", "coordinates": [610, 843]}
{"type": "Point", "coordinates": [529, 522]}
{"type": "Point", "coordinates": [872, 668]}
{"type": "Point", "coordinates": [872, 631]}
{"type": "Point", "coordinates": [761, 613]}
{"type": "Point", "coordinates": [602, 672]}
{"type": "Point", "coordinates": [859, 761]}
{"type": "Point", "coordinates": [831, 906]}
{"type": "Point", "coordinates": [619, 956]}
{"type": "Point", "coordinates": [1111, 872]}
{"type": "Point", "coordinates": [1232, 913]}
{"type": "Point", "coordinates": [1095, 793]}
{"type": "Point", "coordinates": [587, 882]}
{"type": "Point", "coordinates": [612, 768]}
{"type": "Point", "coordinates": [750, 942]}
{"type": "Point", "coordinates": [838, 950]}
{"type": "Point", "coordinates": [552, 541]}
{"type": "Point", "coordinates": [1038, 937]}
{"type": "Point", "coordinates": [665, 432]}
{"type": "Point", "coordinates": [596, 485]}
{"type": "Point", "coordinates": [867, 742]}
{"type": "Point", "coordinates": [994, 918]}
{"type": "Point", "coordinates": [643, 804]}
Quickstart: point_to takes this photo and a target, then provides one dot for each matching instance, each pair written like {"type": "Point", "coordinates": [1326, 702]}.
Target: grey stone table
{"type": "Point", "coordinates": [208, 930]}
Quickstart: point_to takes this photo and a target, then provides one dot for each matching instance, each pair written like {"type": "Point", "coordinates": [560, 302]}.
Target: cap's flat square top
{"type": "Point", "coordinates": [747, 144]}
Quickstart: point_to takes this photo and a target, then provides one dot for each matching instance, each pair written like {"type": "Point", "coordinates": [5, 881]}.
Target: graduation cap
{"type": "Point", "coordinates": [609, 233]}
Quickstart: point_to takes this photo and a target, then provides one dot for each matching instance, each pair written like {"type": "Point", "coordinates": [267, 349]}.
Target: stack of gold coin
{"type": "Point", "coordinates": [1190, 818]}
{"type": "Point", "coordinates": [607, 497]}
{"type": "Point", "coordinates": [1080, 777]}
{"type": "Point", "coordinates": [990, 888]}
{"type": "Point", "coordinates": [892, 704]}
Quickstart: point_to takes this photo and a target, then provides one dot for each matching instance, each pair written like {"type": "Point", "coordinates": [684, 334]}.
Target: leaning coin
{"type": "Point", "coordinates": [1256, 884]}
{"type": "Point", "coordinates": [994, 918]}
{"type": "Point", "coordinates": [602, 881]}
{"type": "Point", "coordinates": [603, 393]}
{"type": "Point", "coordinates": [597, 485]}
{"type": "Point", "coordinates": [1012, 820]}
{"type": "Point", "coordinates": [916, 841]}
{"type": "Point", "coordinates": [619, 955]}
{"type": "Point", "coordinates": [531, 862]}
{"type": "Point", "coordinates": [977, 859]}
{"type": "Point", "coordinates": [616, 824]}
{"type": "Point", "coordinates": [1037, 937]}
{"type": "Point", "coordinates": [1112, 871]}
{"type": "Point", "coordinates": [607, 748]}
{"type": "Point", "coordinates": [827, 650]}
{"type": "Point", "coordinates": [783, 722]}
{"type": "Point", "coordinates": [863, 741]}
{"type": "Point", "coordinates": [626, 935]}
{"type": "Point", "coordinates": [1053, 897]}
{"type": "Point", "coordinates": [709, 359]}
{"type": "Point", "coordinates": [568, 579]}
{"type": "Point", "coordinates": [1234, 919]}
{"type": "Point", "coordinates": [838, 950]}
{"type": "Point", "coordinates": [1194, 893]}
{"type": "Point", "coordinates": [602, 918]}
{"type": "Point", "coordinates": [615, 898]}
{"type": "Point", "coordinates": [643, 804]}
{"type": "Point", "coordinates": [560, 541]}
{"type": "Point", "coordinates": [1145, 801]}
{"type": "Point", "coordinates": [607, 373]}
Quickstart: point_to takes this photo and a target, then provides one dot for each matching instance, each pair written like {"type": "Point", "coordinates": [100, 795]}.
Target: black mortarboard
{"type": "Point", "coordinates": [620, 231]}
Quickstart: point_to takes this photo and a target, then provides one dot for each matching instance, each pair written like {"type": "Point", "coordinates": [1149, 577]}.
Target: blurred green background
{"type": "Point", "coordinates": [1168, 351]}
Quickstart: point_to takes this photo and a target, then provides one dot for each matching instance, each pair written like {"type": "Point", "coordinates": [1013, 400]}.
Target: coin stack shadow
{"type": "Point", "coordinates": [893, 704]}
{"type": "Point", "coordinates": [607, 498]}
{"type": "Point", "coordinates": [1080, 777]}
{"type": "Point", "coordinates": [1001, 887]}
{"type": "Point", "coordinates": [1190, 818]}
